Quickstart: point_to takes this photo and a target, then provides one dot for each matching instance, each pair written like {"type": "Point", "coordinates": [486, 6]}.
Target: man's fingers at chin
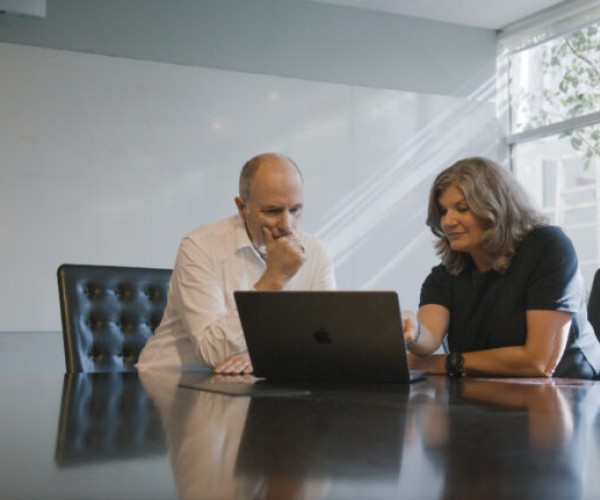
{"type": "Point", "coordinates": [268, 235]}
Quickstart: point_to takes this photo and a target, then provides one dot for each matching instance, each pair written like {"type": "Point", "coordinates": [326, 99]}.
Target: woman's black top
{"type": "Point", "coordinates": [487, 309]}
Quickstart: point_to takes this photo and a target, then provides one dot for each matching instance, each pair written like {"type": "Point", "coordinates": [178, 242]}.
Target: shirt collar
{"type": "Point", "coordinates": [242, 240]}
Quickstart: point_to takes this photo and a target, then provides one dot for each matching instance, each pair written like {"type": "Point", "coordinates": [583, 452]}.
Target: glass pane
{"type": "Point", "coordinates": [555, 81]}
{"type": "Point", "coordinates": [565, 184]}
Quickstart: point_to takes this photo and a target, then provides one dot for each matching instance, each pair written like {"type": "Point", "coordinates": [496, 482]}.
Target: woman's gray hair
{"type": "Point", "coordinates": [494, 195]}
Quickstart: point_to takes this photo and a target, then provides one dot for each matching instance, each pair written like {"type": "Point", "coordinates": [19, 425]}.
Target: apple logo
{"type": "Point", "coordinates": [322, 336]}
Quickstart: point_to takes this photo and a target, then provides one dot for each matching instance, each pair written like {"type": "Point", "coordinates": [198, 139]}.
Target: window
{"type": "Point", "coordinates": [556, 81]}
{"type": "Point", "coordinates": [554, 132]}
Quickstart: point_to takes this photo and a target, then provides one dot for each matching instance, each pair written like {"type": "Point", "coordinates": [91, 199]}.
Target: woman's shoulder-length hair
{"type": "Point", "coordinates": [494, 195]}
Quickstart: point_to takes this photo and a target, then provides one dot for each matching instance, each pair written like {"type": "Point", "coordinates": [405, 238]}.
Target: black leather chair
{"type": "Point", "coordinates": [593, 306]}
{"type": "Point", "coordinates": [108, 313]}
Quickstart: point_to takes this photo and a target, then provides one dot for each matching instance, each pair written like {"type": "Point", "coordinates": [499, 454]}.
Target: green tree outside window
{"type": "Point", "coordinates": [570, 74]}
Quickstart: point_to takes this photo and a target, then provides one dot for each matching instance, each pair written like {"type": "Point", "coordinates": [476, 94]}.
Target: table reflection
{"type": "Point", "coordinates": [505, 438]}
{"type": "Point", "coordinates": [279, 446]}
{"type": "Point", "coordinates": [466, 438]}
{"type": "Point", "coordinates": [293, 444]}
{"type": "Point", "coordinates": [106, 416]}
{"type": "Point", "coordinates": [203, 432]}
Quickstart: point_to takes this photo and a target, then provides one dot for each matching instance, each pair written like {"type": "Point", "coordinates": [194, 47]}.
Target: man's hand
{"type": "Point", "coordinates": [236, 364]}
{"type": "Point", "coordinates": [284, 257]}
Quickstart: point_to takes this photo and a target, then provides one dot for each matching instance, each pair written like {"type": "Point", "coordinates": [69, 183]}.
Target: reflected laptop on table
{"type": "Point", "coordinates": [323, 437]}
{"type": "Point", "coordinates": [325, 336]}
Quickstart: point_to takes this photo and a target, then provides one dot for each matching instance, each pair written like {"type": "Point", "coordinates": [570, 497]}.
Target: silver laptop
{"type": "Point", "coordinates": [325, 336]}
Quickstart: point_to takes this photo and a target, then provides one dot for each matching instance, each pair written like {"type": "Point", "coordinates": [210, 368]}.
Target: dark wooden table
{"type": "Point", "coordinates": [130, 436]}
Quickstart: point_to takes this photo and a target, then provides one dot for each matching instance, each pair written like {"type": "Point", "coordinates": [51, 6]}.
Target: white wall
{"type": "Point", "coordinates": [110, 161]}
{"type": "Point", "coordinates": [110, 158]}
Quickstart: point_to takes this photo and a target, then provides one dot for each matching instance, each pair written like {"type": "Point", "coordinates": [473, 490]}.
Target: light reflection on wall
{"type": "Point", "coordinates": [376, 231]}
{"type": "Point", "coordinates": [110, 161]}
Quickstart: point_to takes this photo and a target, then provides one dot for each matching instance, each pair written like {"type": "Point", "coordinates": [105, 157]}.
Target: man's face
{"type": "Point", "coordinates": [276, 201]}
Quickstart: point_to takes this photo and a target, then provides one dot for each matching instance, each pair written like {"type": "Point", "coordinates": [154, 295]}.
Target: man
{"type": "Point", "coordinates": [261, 247]}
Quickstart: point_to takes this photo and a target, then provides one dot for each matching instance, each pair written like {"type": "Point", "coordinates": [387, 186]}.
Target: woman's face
{"type": "Point", "coordinates": [463, 229]}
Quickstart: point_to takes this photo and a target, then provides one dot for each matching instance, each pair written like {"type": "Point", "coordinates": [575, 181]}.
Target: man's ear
{"type": "Point", "coordinates": [240, 203]}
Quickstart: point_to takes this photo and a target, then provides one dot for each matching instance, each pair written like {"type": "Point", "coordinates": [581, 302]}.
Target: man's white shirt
{"type": "Point", "coordinates": [200, 326]}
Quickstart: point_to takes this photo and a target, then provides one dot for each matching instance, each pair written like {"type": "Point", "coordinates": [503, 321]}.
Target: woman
{"type": "Point", "coordinates": [508, 293]}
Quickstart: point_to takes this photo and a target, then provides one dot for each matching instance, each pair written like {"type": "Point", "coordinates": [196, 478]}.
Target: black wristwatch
{"type": "Point", "coordinates": [454, 364]}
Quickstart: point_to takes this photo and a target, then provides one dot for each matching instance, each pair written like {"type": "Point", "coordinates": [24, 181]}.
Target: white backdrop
{"type": "Point", "coordinates": [111, 161]}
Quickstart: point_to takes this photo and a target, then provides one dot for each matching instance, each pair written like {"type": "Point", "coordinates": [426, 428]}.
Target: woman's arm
{"type": "Point", "coordinates": [547, 334]}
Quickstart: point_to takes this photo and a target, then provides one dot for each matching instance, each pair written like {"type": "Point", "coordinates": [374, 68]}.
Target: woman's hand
{"type": "Point", "coordinates": [423, 332]}
{"type": "Point", "coordinates": [411, 327]}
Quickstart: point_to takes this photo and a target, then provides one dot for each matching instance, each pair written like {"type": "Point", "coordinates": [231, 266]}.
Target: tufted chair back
{"type": "Point", "coordinates": [593, 306]}
{"type": "Point", "coordinates": [108, 313]}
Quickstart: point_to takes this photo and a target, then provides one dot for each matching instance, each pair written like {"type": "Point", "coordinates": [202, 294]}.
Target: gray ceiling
{"type": "Point", "coordinates": [491, 14]}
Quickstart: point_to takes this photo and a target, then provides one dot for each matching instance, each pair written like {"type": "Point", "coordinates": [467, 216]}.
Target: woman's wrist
{"type": "Point", "coordinates": [417, 336]}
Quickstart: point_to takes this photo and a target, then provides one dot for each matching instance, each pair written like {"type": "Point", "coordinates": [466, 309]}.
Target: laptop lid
{"type": "Point", "coordinates": [352, 336]}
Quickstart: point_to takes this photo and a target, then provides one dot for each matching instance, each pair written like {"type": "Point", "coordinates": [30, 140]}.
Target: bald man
{"type": "Point", "coordinates": [261, 248]}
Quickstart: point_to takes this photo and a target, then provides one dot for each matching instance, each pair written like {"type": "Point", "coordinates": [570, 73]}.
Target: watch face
{"type": "Point", "coordinates": [454, 364]}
